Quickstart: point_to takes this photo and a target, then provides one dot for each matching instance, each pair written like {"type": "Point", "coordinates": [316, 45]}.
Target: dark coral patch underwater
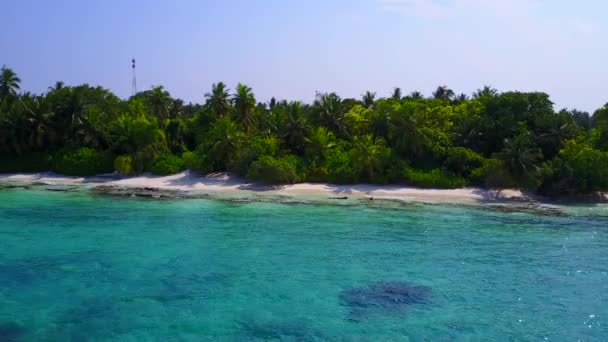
{"type": "Point", "coordinates": [11, 331]}
{"type": "Point", "coordinates": [385, 298]}
{"type": "Point", "coordinates": [283, 330]}
{"type": "Point", "coordinates": [31, 270]}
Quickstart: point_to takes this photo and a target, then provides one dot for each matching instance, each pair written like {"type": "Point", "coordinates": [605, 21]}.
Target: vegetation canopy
{"type": "Point", "coordinates": [491, 139]}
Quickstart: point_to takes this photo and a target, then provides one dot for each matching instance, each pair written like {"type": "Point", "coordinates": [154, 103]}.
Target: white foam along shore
{"type": "Point", "coordinates": [229, 186]}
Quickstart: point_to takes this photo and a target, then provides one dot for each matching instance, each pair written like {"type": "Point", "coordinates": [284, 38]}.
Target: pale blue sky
{"type": "Point", "coordinates": [293, 48]}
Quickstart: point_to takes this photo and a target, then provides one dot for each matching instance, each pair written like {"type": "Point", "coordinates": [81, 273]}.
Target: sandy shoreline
{"type": "Point", "coordinates": [225, 185]}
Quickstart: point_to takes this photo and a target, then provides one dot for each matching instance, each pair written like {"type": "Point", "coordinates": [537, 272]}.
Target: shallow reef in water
{"type": "Point", "coordinates": [392, 297]}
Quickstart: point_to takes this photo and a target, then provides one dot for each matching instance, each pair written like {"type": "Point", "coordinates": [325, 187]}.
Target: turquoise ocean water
{"type": "Point", "coordinates": [78, 267]}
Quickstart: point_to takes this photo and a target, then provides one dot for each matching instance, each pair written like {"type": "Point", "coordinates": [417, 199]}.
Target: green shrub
{"type": "Point", "coordinates": [82, 162]}
{"type": "Point", "coordinates": [315, 172]}
{"type": "Point", "coordinates": [197, 162]}
{"type": "Point", "coordinates": [33, 162]}
{"type": "Point", "coordinates": [394, 171]}
{"type": "Point", "coordinates": [167, 164]}
{"type": "Point", "coordinates": [337, 167]}
{"type": "Point", "coordinates": [578, 169]}
{"type": "Point", "coordinates": [340, 168]}
{"type": "Point", "coordinates": [275, 170]}
{"type": "Point", "coordinates": [493, 174]}
{"type": "Point", "coordinates": [251, 150]}
{"type": "Point", "coordinates": [124, 165]}
{"type": "Point", "coordinates": [433, 179]}
{"type": "Point", "coordinates": [462, 161]}
{"type": "Point", "coordinates": [144, 158]}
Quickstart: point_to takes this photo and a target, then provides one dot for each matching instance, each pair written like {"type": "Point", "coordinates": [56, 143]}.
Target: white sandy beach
{"type": "Point", "coordinates": [226, 185]}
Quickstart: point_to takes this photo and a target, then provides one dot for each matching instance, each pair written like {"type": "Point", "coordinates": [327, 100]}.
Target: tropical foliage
{"type": "Point", "coordinates": [491, 138]}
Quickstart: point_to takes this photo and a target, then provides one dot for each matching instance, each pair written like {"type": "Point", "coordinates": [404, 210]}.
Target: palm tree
{"type": "Point", "coordinates": [226, 136]}
{"type": "Point", "coordinates": [582, 119]}
{"type": "Point", "coordinates": [174, 133]}
{"type": "Point", "coordinates": [328, 112]}
{"type": "Point", "coordinates": [443, 93]}
{"type": "Point", "coordinates": [24, 125]}
{"type": "Point", "coordinates": [380, 123]}
{"type": "Point", "coordinates": [416, 95]}
{"type": "Point", "coordinates": [485, 92]}
{"type": "Point", "coordinates": [218, 99]}
{"type": "Point", "coordinates": [397, 93]}
{"type": "Point", "coordinates": [6, 133]}
{"type": "Point", "coordinates": [244, 102]}
{"type": "Point", "coordinates": [319, 142]}
{"type": "Point", "coordinates": [13, 128]}
{"type": "Point", "coordinates": [72, 123]}
{"type": "Point", "coordinates": [177, 108]}
{"type": "Point", "coordinates": [39, 119]}
{"type": "Point", "coordinates": [369, 154]}
{"type": "Point", "coordinates": [130, 133]}
{"type": "Point", "coordinates": [9, 82]}
{"type": "Point", "coordinates": [368, 99]}
{"type": "Point", "coordinates": [462, 97]}
{"type": "Point", "coordinates": [521, 155]}
{"type": "Point", "coordinates": [552, 131]}
{"type": "Point", "coordinates": [293, 128]}
{"type": "Point", "coordinates": [407, 133]}
{"type": "Point", "coordinates": [272, 103]}
{"type": "Point", "coordinates": [11, 136]}
{"type": "Point", "coordinates": [160, 101]}
{"type": "Point", "coordinates": [58, 86]}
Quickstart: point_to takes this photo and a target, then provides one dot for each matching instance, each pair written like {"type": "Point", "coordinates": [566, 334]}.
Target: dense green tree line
{"type": "Point", "coordinates": [490, 139]}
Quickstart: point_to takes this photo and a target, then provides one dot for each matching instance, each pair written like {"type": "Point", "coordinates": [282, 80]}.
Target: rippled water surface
{"type": "Point", "coordinates": [79, 267]}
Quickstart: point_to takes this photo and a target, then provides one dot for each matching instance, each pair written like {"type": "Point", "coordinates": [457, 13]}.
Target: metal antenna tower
{"type": "Point", "coordinates": [134, 84]}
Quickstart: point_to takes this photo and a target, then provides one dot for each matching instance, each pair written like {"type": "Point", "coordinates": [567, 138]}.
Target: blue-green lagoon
{"type": "Point", "coordinates": [80, 267]}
